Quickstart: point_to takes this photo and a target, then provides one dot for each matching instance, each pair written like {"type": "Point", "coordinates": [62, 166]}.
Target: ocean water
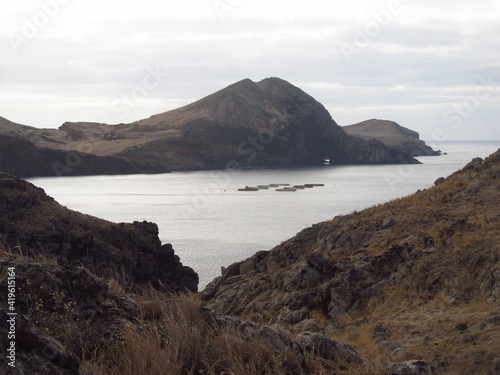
{"type": "Point", "coordinates": [211, 224]}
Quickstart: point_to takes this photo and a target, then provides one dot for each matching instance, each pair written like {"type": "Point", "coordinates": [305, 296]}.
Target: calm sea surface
{"type": "Point", "coordinates": [211, 224]}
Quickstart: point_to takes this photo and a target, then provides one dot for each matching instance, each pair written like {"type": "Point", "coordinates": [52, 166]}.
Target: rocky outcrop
{"type": "Point", "coordinates": [49, 301]}
{"type": "Point", "coordinates": [392, 135]}
{"type": "Point", "coordinates": [70, 277]}
{"type": "Point", "coordinates": [66, 314]}
{"type": "Point", "coordinates": [33, 223]}
{"type": "Point", "coordinates": [266, 123]}
{"type": "Point", "coordinates": [275, 338]}
{"type": "Point", "coordinates": [326, 348]}
{"type": "Point", "coordinates": [411, 367]}
{"type": "Point", "coordinates": [81, 286]}
{"type": "Point", "coordinates": [432, 253]}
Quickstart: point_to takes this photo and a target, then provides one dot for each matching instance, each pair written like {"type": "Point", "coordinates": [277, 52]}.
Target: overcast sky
{"type": "Point", "coordinates": [430, 66]}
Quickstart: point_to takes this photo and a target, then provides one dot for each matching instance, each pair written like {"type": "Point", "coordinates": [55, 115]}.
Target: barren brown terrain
{"type": "Point", "coordinates": [250, 124]}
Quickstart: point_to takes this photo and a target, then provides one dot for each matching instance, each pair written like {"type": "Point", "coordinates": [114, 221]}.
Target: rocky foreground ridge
{"type": "Point", "coordinates": [247, 124]}
{"type": "Point", "coordinates": [408, 287]}
{"type": "Point", "coordinates": [94, 297]}
{"type": "Point", "coordinates": [417, 278]}
{"type": "Point", "coordinates": [33, 224]}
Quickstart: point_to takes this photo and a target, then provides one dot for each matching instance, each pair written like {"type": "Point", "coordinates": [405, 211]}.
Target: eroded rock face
{"type": "Point", "coordinates": [61, 259]}
{"type": "Point", "coordinates": [33, 223]}
{"type": "Point", "coordinates": [312, 283]}
{"type": "Point", "coordinates": [51, 303]}
{"type": "Point", "coordinates": [392, 135]}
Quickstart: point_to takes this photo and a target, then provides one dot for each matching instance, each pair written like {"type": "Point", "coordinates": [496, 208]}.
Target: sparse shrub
{"type": "Point", "coordinates": [174, 339]}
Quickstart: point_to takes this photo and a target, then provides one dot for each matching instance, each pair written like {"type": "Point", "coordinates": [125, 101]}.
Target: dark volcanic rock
{"type": "Point", "coordinates": [33, 223]}
{"type": "Point", "coordinates": [60, 260]}
{"type": "Point", "coordinates": [54, 297]}
{"type": "Point", "coordinates": [412, 367]}
{"type": "Point", "coordinates": [22, 158]}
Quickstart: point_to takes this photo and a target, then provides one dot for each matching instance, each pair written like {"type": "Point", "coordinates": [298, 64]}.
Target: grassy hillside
{"type": "Point", "coordinates": [415, 278]}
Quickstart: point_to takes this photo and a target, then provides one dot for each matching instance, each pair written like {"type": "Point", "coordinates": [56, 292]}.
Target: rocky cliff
{"type": "Point", "coordinates": [33, 223]}
{"type": "Point", "coordinates": [266, 123]}
{"type": "Point", "coordinates": [414, 279]}
{"type": "Point", "coordinates": [24, 159]}
{"type": "Point", "coordinates": [270, 122]}
{"type": "Point", "coordinates": [392, 135]}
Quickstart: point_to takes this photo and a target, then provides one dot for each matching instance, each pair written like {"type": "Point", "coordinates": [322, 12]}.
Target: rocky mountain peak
{"type": "Point", "coordinates": [291, 126]}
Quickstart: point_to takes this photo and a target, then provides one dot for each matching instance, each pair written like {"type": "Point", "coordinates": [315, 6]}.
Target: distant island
{"type": "Point", "coordinates": [247, 124]}
{"type": "Point", "coordinates": [392, 135]}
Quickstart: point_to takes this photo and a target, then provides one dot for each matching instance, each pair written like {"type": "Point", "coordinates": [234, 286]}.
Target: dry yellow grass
{"type": "Point", "coordinates": [173, 338]}
{"type": "Point", "coordinates": [453, 230]}
{"type": "Point", "coordinates": [427, 329]}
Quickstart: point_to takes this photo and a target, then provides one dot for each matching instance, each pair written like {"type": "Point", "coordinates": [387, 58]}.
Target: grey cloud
{"type": "Point", "coordinates": [406, 66]}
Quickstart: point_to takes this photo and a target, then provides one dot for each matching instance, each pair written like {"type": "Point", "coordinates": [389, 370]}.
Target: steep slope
{"type": "Point", "coordinates": [34, 223]}
{"type": "Point", "coordinates": [416, 278]}
{"type": "Point", "coordinates": [392, 135]}
{"type": "Point", "coordinates": [270, 122]}
{"type": "Point", "coordinates": [22, 158]}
